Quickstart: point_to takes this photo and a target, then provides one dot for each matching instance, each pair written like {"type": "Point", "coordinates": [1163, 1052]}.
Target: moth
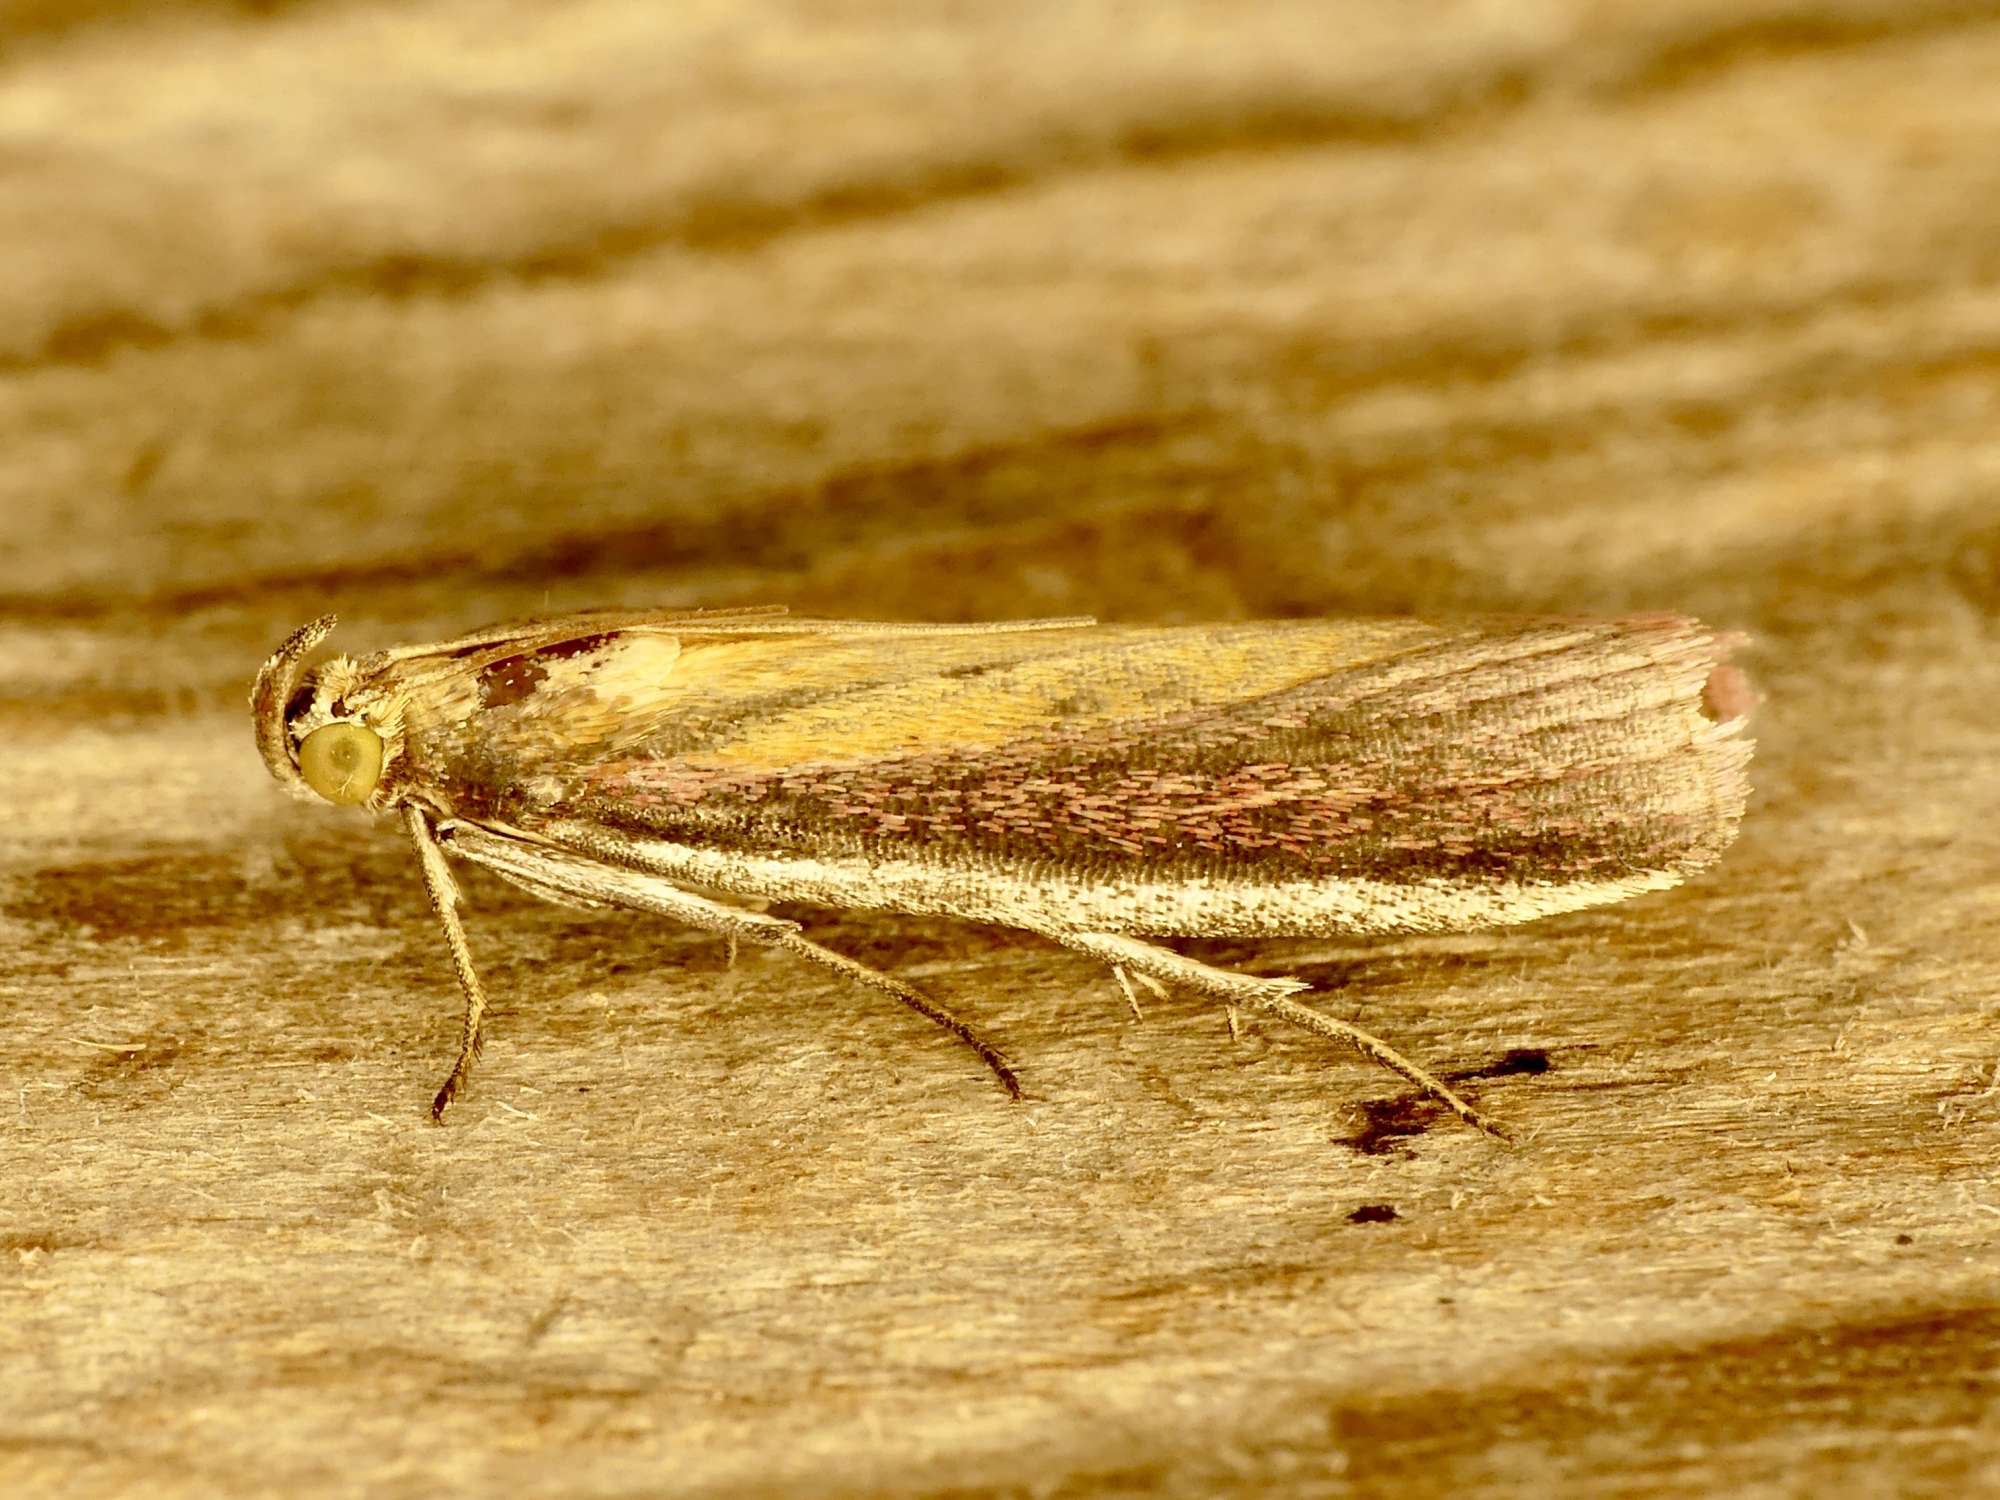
{"type": "Point", "coordinates": [1101, 785]}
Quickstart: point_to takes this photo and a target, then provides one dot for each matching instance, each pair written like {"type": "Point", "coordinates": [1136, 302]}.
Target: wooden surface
{"type": "Point", "coordinates": [437, 313]}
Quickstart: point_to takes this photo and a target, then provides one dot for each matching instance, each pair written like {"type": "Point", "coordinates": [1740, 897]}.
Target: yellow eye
{"type": "Point", "coordinates": [342, 762]}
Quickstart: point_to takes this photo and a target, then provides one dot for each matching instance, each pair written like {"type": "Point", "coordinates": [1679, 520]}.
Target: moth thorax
{"type": "Point", "coordinates": [342, 762]}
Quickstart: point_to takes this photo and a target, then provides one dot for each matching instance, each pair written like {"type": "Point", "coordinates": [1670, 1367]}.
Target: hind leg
{"type": "Point", "coordinates": [1273, 996]}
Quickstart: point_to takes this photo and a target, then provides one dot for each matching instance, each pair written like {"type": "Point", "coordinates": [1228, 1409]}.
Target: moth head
{"type": "Point", "coordinates": [312, 738]}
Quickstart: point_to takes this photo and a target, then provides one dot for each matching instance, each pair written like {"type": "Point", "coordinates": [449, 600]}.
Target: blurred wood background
{"type": "Point", "coordinates": [442, 312]}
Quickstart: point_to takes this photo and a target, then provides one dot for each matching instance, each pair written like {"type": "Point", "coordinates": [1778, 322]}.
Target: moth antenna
{"type": "Point", "coordinates": [277, 679]}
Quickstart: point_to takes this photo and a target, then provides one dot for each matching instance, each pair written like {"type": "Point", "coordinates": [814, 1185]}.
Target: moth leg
{"type": "Point", "coordinates": [1131, 995]}
{"type": "Point", "coordinates": [572, 877]}
{"type": "Point", "coordinates": [732, 941]}
{"type": "Point", "coordinates": [1272, 996]}
{"type": "Point", "coordinates": [787, 936]}
{"type": "Point", "coordinates": [443, 892]}
{"type": "Point", "coordinates": [1118, 972]}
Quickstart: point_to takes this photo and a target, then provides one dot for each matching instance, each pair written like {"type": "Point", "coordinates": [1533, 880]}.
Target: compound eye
{"type": "Point", "coordinates": [342, 762]}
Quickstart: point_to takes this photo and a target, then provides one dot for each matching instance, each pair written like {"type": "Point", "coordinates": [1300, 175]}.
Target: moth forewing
{"type": "Point", "coordinates": [1100, 785]}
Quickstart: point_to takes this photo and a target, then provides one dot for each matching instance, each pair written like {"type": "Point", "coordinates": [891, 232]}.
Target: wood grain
{"type": "Point", "coordinates": [457, 310]}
